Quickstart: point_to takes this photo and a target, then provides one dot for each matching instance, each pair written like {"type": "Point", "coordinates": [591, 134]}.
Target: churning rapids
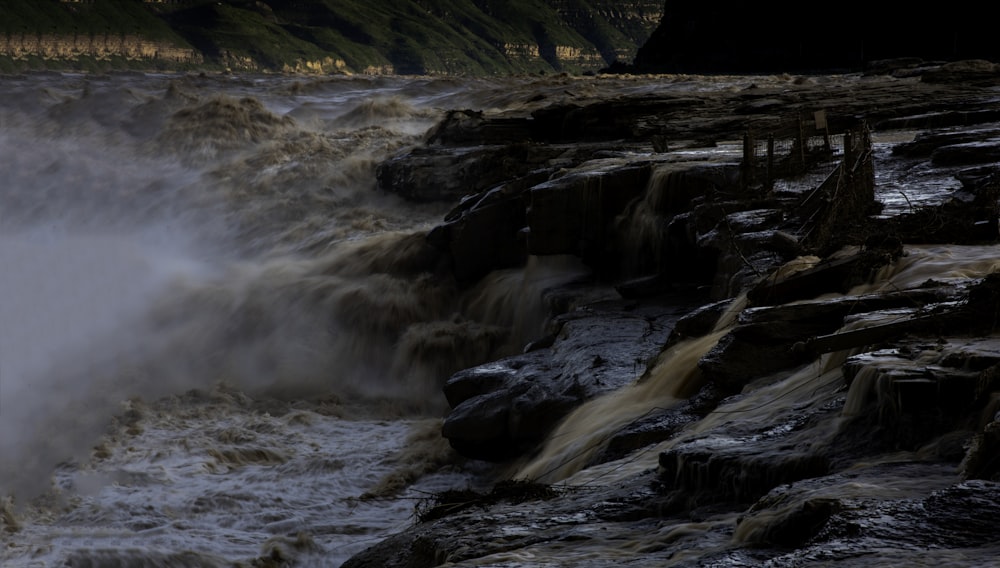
{"type": "Point", "coordinates": [214, 351]}
{"type": "Point", "coordinates": [208, 353]}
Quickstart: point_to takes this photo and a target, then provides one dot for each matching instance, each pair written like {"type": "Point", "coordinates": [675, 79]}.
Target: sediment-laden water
{"type": "Point", "coordinates": [221, 345]}
{"type": "Point", "coordinates": [218, 341]}
{"type": "Point", "coordinates": [215, 331]}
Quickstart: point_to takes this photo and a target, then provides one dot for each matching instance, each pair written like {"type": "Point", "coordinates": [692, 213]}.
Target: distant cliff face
{"type": "Point", "coordinates": [616, 29]}
{"type": "Point", "coordinates": [466, 37]}
{"type": "Point", "coordinates": [100, 47]}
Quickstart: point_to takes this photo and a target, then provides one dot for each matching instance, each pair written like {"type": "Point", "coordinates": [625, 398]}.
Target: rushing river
{"type": "Point", "coordinates": [214, 350]}
{"type": "Point", "coordinates": [206, 355]}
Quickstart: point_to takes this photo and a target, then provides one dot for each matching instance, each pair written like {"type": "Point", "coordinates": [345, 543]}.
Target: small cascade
{"type": "Point", "coordinates": [786, 428]}
{"type": "Point", "coordinates": [942, 263]}
{"type": "Point", "coordinates": [652, 240]}
{"type": "Point", "coordinates": [731, 452]}
{"type": "Point", "coordinates": [516, 298]}
{"type": "Point", "coordinates": [582, 434]}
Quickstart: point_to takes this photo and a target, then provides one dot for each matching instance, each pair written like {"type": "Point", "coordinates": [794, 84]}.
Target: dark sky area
{"type": "Point", "coordinates": [763, 37]}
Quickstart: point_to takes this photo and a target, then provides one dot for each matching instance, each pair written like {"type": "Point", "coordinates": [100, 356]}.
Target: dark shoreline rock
{"type": "Point", "coordinates": [709, 226]}
{"type": "Point", "coordinates": [504, 408]}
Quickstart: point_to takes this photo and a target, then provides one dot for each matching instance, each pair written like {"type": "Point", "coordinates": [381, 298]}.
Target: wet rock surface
{"type": "Point", "coordinates": [504, 408]}
{"type": "Point", "coordinates": [846, 412]}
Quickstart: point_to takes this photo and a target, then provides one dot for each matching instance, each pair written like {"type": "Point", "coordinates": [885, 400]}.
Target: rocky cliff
{"type": "Point", "coordinates": [461, 37]}
{"type": "Point", "coordinates": [51, 47]}
{"type": "Point", "coordinates": [833, 400]}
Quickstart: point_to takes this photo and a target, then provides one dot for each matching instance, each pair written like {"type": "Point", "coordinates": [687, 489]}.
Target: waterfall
{"type": "Point", "coordinates": [581, 434]}
{"type": "Point", "coordinates": [674, 375]}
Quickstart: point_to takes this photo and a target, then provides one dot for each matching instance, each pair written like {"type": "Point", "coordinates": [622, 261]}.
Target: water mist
{"type": "Point", "coordinates": [85, 246]}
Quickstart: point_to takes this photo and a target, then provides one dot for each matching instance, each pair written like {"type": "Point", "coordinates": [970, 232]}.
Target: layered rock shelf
{"type": "Point", "coordinates": [98, 46]}
{"type": "Point", "coordinates": [840, 400]}
{"type": "Point", "coordinates": [459, 38]}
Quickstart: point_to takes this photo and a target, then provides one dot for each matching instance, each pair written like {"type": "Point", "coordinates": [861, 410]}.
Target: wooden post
{"type": "Point", "coordinates": [770, 161]}
{"type": "Point", "coordinates": [749, 159]}
{"type": "Point", "coordinates": [848, 150]}
{"type": "Point", "coordinates": [802, 144]}
{"type": "Point", "coordinates": [820, 118]}
{"type": "Point", "coordinates": [849, 159]}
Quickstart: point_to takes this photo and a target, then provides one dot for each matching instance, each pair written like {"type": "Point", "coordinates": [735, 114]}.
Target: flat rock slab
{"type": "Point", "coordinates": [503, 408]}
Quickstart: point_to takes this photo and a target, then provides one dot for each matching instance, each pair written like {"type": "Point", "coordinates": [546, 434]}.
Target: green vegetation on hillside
{"type": "Point", "coordinates": [45, 17]}
{"type": "Point", "coordinates": [471, 37]}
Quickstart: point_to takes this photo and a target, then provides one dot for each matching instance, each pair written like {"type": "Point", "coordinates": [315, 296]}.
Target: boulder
{"type": "Point", "coordinates": [904, 396]}
{"type": "Point", "coordinates": [504, 408]}
{"type": "Point", "coordinates": [969, 153]}
{"type": "Point", "coordinates": [573, 214]}
{"type": "Point", "coordinates": [486, 236]}
{"type": "Point", "coordinates": [967, 71]}
{"type": "Point", "coordinates": [473, 128]}
{"type": "Point", "coordinates": [981, 460]}
{"type": "Point", "coordinates": [719, 468]}
{"type": "Point", "coordinates": [773, 338]}
{"type": "Point", "coordinates": [432, 173]}
{"type": "Point", "coordinates": [835, 274]}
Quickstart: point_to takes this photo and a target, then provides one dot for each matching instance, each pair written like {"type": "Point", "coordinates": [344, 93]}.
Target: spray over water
{"type": "Point", "coordinates": [147, 237]}
{"type": "Point", "coordinates": [210, 313]}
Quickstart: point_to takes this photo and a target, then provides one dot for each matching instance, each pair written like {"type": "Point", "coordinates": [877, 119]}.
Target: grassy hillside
{"type": "Point", "coordinates": [473, 37]}
{"type": "Point", "coordinates": [97, 17]}
{"type": "Point", "coordinates": [411, 36]}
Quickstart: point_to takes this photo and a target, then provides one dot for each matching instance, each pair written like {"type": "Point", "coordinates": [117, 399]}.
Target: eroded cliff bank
{"type": "Point", "coordinates": [783, 351]}
{"type": "Point", "coordinates": [321, 37]}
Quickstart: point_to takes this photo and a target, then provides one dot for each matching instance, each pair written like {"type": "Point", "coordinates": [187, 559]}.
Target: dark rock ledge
{"type": "Point", "coordinates": [645, 192]}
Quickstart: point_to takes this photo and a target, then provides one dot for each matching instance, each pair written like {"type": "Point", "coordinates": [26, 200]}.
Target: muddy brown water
{"type": "Point", "coordinates": [201, 351]}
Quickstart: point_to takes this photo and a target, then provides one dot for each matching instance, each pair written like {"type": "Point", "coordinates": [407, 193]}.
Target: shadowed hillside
{"type": "Point", "coordinates": [462, 37]}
